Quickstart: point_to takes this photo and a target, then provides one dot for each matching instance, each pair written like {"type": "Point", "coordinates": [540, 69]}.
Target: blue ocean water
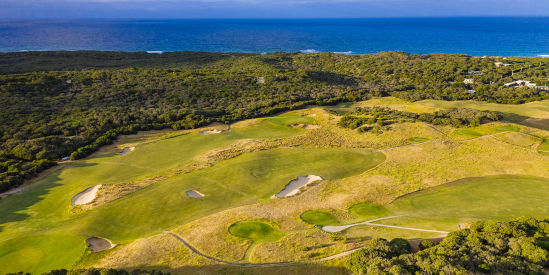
{"type": "Point", "coordinates": [506, 36]}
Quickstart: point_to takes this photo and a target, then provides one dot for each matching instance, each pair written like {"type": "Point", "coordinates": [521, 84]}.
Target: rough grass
{"type": "Point", "coordinates": [317, 217]}
{"type": "Point", "coordinates": [255, 230]}
{"type": "Point", "coordinates": [418, 139]}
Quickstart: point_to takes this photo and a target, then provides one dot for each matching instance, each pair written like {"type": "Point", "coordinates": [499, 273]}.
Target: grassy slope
{"type": "Point", "coordinates": [43, 211]}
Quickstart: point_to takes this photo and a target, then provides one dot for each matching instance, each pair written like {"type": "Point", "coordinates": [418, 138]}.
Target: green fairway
{"type": "Point", "coordinates": [318, 217]}
{"type": "Point", "coordinates": [40, 223]}
{"type": "Point", "coordinates": [368, 210]}
{"type": "Point", "coordinates": [254, 230]}
{"type": "Point", "coordinates": [493, 197]}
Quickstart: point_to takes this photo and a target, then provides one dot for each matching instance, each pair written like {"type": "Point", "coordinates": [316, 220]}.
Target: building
{"type": "Point", "coordinates": [521, 83]}
{"type": "Point", "coordinates": [468, 81]}
{"type": "Point", "coordinates": [543, 88]}
{"type": "Point", "coordinates": [471, 92]}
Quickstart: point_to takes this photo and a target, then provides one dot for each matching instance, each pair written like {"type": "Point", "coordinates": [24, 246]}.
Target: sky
{"type": "Point", "coordinates": [164, 9]}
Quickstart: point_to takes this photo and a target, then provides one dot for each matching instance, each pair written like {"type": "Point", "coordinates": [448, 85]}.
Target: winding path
{"type": "Point", "coordinates": [196, 251]}
{"type": "Point", "coordinates": [334, 229]}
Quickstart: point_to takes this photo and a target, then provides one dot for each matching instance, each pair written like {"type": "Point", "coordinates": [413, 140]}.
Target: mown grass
{"type": "Point", "coordinates": [317, 217]}
{"type": "Point", "coordinates": [255, 230]}
{"type": "Point", "coordinates": [43, 209]}
{"type": "Point", "coordinates": [368, 210]}
{"type": "Point", "coordinates": [492, 197]}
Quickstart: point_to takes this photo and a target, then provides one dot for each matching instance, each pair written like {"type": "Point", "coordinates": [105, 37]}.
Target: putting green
{"type": "Point", "coordinates": [493, 197]}
{"type": "Point", "coordinates": [318, 217]}
{"type": "Point", "coordinates": [254, 230]}
{"type": "Point", "coordinates": [368, 210]}
{"type": "Point", "coordinates": [43, 208]}
{"type": "Point", "coordinates": [544, 146]}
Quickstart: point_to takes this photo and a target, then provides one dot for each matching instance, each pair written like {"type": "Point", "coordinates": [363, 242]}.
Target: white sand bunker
{"type": "Point", "coordinates": [210, 132]}
{"type": "Point", "coordinates": [293, 187]}
{"type": "Point", "coordinates": [194, 194]}
{"type": "Point", "coordinates": [126, 150]}
{"type": "Point", "coordinates": [99, 244]}
{"type": "Point", "coordinates": [310, 115]}
{"type": "Point", "coordinates": [85, 196]}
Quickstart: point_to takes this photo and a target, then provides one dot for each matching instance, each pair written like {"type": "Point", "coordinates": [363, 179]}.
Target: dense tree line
{"type": "Point", "coordinates": [369, 118]}
{"type": "Point", "coordinates": [59, 104]}
{"type": "Point", "coordinates": [515, 247]}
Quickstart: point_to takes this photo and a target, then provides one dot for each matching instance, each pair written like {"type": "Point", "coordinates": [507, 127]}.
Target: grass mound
{"type": "Point", "coordinates": [318, 218]}
{"type": "Point", "coordinates": [254, 230]}
{"type": "Point", "coordinates": [418, 139]}
{"type": "Point", "coordinates": [368, 210]}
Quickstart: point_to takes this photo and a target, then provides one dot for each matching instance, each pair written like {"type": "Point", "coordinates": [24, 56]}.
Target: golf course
{"type": "Point", "coordinates": [414, 180]}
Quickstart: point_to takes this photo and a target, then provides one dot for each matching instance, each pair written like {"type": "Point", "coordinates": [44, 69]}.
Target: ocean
{"type": "Point", "coordinates": [496, 36]}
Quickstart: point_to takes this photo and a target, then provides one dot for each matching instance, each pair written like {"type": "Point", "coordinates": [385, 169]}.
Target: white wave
{"type": "Point", "coordinates": [544, 55]}
{"type": "Point", "coordinates": [157, 52]}
{"type": "Point", "coordinates": [309, 51]}
{"type": "Point", "coordinates": [347, 52]}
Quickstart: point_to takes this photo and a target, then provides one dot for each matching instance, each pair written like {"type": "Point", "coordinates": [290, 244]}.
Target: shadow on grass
{"type": "Point", "coordinates": [539, 123]}
{"type": "Point", "coordinates": [11, 207]}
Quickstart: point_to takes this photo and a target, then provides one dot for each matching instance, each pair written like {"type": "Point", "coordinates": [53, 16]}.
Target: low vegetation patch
{"type": "Point", "coordinates": [418, 139]}
{"type": "Point", "coordinates": [544, 146]}
{"type": "Point", "coordinates": [255, 230]}
{"type": "Point", "coordinates": [372, 118]}
{"type": "Point", "coordinates": [317, 217]}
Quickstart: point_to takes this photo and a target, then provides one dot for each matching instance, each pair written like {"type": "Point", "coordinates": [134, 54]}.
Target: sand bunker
{"type": "Point", "coordinates": [99, 244]}
{"type": "Point", "coordinates": [194, 194]}
{"type": "Point", "coordinates": [85, 196]}
{"type": "Point", "coordinates": [310, 115]}
{"type": "Point", "coordinates": [293, 187]}
{"type": "Point", "coordinates": [126, 150]}
{"type": "Point", "coordinates": [209, 132]}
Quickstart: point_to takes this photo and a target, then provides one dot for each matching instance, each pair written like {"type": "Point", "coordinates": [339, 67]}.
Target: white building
{"type": "Point", "coordinates": [468, 81]}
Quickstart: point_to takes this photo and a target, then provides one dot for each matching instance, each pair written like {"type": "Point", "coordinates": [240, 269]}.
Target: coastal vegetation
{"type": "Point", "coordinates": [176, 164]}
{"type": "Point", "coordinates": [60, 104]}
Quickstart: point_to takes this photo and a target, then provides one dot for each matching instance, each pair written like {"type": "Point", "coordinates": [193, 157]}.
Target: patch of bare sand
{"type": "Point", "coordinates": [97, 244]}
{"type": "Point", "coordinates": [311, 126]}
{"type": "Point", "coordinates": [210, 132]}
{"type": "Point", "coordinates": [194, 194]}
{"type": "Point", "coordinates": [126, 150]}
{"type": "Point", "coordinates": [293, 188]}
{"type": "Point", "coordinates": [85, 196]}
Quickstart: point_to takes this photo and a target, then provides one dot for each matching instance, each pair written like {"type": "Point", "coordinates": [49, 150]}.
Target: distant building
{"type": "Point", "coordinates": [468, 81]}
{"type": "Point", "coordinates": [260, 80]}
{"type": "Point", "coordinates": [543, 88]}
{"type": "Point", "coordinates": [65, 158]}
{"type": "Point", "coordinates": [471, 92]}
{"type": "Point", "coordinates": [501, 64]}
{"type": "Point", "coordinates": [475, 73]}
{"type": "Point", "coordinates": [521, 83]}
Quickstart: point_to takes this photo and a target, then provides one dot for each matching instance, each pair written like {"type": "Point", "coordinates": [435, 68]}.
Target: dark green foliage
{"type": "Point", "coordinates": [513, 247]}
{"type": "Point", "coordinates": [58, 104]}
{"type": "Point", "coordinates": [382, 116]}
